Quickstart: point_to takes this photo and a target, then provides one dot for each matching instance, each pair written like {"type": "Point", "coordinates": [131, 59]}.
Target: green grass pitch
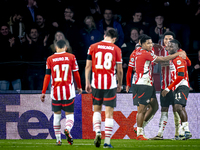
{"type": "Point", "coordinates": [80, 144]}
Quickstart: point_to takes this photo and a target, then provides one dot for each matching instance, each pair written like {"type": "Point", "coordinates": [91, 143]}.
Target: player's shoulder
{"type": "Point", "coordinates": [179, 60]}
{"type": "Point", "coordinates": [96, 44]}
{"type": "Point", "coordinates": [69, 55]}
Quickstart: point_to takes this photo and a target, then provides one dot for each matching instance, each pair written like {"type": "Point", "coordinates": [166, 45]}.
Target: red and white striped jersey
{"type": "Point", "coordinates": [105, 55]}
{"type": "Point", "coordinates": [132, 61]}
{"type": "Point", "coordinates": [61, 65]}
{"type": "Point", "coordinates": [175, 65]}
{"type": "Point", "coordinates": [143, 67]}
{"type": "Point", "coordinates": [165, 72]}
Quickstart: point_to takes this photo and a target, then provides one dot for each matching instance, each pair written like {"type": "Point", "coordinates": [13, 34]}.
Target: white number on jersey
{"type": "Point", "coordinates": [65, 69]}
{"type": "Point", "coordinates": [107, 60]}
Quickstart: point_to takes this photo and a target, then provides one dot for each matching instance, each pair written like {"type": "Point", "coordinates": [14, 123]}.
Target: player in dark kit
{"type": "Point", "coordinates": [62, 67]}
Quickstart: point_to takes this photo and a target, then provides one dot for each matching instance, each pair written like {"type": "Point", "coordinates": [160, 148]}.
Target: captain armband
{"type": "Point", "coordinates": [48, 71]}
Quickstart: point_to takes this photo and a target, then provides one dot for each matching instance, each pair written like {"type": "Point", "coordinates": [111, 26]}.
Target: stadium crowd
{"type": "Point", "coordinates": [29, 28]}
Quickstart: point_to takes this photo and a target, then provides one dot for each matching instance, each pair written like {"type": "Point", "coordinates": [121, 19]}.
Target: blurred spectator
{"type": "Point", "coordinates": [95, 10]}
{"type": "Point", "coordinates": [71, 29]}
{"type": "Point", "coordinates": [118, 14]}
{"type": "Point", "coordinates": [16, 23]}
{"type": "Point", "coordinates": [10, 51]}
{"type": "Point", "coordinates": [136, 22]}
{"type": "Point", "coordinates": [195, 75]}
{"type": "Point", "coordinates": [90, 35]}
{"type": "Point", "coordinates": [156, 31]}
{"type": "Point", "coordinates": [108, 21]}
{"type": "Point", "coordinates": [43, 28]}
{"type": "Point", "coordinates": [147, 7]}
{"type": "Point", "coordinates": [55, 16]}
{"type": "Point", "coordinates": [127, 48]}
{"type": "Point", "coordinates": [58, 36]}
{"type": "Point", "coordinates": [35, 52]}
{"type": "Point", "coordinates": [29, 13]}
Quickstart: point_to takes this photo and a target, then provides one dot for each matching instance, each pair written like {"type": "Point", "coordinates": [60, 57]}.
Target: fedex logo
{"type": "Point", "coordinates": [24, 116]}
{"type": "Point", "coordinates": [124, 119]}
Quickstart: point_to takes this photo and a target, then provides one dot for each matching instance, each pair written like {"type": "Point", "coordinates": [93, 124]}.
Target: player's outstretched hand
{"type": "Point", "coordinates": [119, 88]}
{"type": "Point", "coordinates": [79, 90]}
{"type": "Point", "coordinates": [127, 88]}
{"type": "Point", "coordinates": [88, 88]}
{"type": "Point", "coordinates": [182, 54]}
{"type": "Point", "coordinates": [42, 97]}
{"type": "Point", "coordinates": [164, 93]}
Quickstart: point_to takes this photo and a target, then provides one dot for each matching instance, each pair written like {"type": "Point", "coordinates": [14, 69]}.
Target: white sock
{"type": "Point", "coordinates": [108, 129]}
{"type": "Point", "coordinates": [181, 130]}
{"type": "Point", "coordinates": [97, 121]}
{"type": "Point", "coordinates": [176, 123]}
{"type": "Point", "coordinates": [163, 123]}
{"type": "Point", "coordinates": [186, 126]}
{"type": "Point", "coordinates": [57, 126]}
{"type": "Point", "coordinates": [140, 131]}
{"type": "Point", "coordinates": [69, 122]}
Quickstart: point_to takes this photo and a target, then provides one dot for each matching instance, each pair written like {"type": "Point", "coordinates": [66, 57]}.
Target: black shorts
{"type": "Point", "coordinates": [143, 93]}
{"type": "Point", "coordinates": [105, 97]}
{"type": "Point", "coordinates": [66, 105]}
{"type": "Point", "coordinates": [135, 100]}
{"type": "Point", "coordinates": [167, 100]}
{"type": "Point", "coordinates": [181, 94]}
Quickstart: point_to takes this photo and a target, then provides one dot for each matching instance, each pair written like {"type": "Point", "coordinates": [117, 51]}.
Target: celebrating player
{"type": "Point", "coordinates": [143, 79]}
{"type": "Point", "coordinates": [60, 67]}
{"type": "Point", "coordinates": [103, 58]}
{"type": "Point", "coordinates": [169, 98]}
{"type": "Point", "coordinates": [180, 85]}
{"type": "Point", "coordinates": [151, 109]}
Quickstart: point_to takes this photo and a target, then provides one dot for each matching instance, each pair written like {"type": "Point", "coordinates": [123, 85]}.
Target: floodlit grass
{"type": "Point", "coordinates": [79, 144]}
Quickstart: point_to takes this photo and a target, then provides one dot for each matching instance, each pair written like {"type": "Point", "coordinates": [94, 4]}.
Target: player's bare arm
{"type": "Point", "coordinates": [170, 57]}
{"type": "Point", "coordinates": [120, 76]}
{"type": "Point", "coordinates": [88, 68]}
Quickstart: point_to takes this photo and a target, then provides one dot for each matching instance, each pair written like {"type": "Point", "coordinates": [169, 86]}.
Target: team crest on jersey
{"type": "Point", "coordinates": [132, 59]}
{"type": "Point", "coordinates": [178, 62]}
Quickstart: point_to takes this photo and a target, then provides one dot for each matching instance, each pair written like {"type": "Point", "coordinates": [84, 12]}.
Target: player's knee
{"type": "Point", "coordinates": [164, 109]}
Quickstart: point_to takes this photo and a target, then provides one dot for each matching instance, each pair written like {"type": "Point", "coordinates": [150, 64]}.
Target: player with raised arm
{"type": "Point", "coordinates": [180, 86]}
{"type": "Point", "coordinates": [105, 61]}
{"type": "Point", "coordinates": [62, 67]}
{"type": "Point", "coordinates": [143, 89]}
{"type": "Point", "coordinates": [168, 100]}
{"type": "Point", "coordinates": [151, 110]}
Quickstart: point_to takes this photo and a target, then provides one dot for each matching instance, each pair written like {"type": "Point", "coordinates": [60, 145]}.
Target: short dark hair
{"type": "Point", "coordinates": [111, 33]}
{"type": "Point", "coordinates": [61, 44]}
{"type": "Point", "coordinates": [141, 36]}
{"type": "Point", "coordinates": [176, 42]}
{"type": "Point", "coordinates": [169, 33]}
{"type": "Point", "coordinates": [144, 39]}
